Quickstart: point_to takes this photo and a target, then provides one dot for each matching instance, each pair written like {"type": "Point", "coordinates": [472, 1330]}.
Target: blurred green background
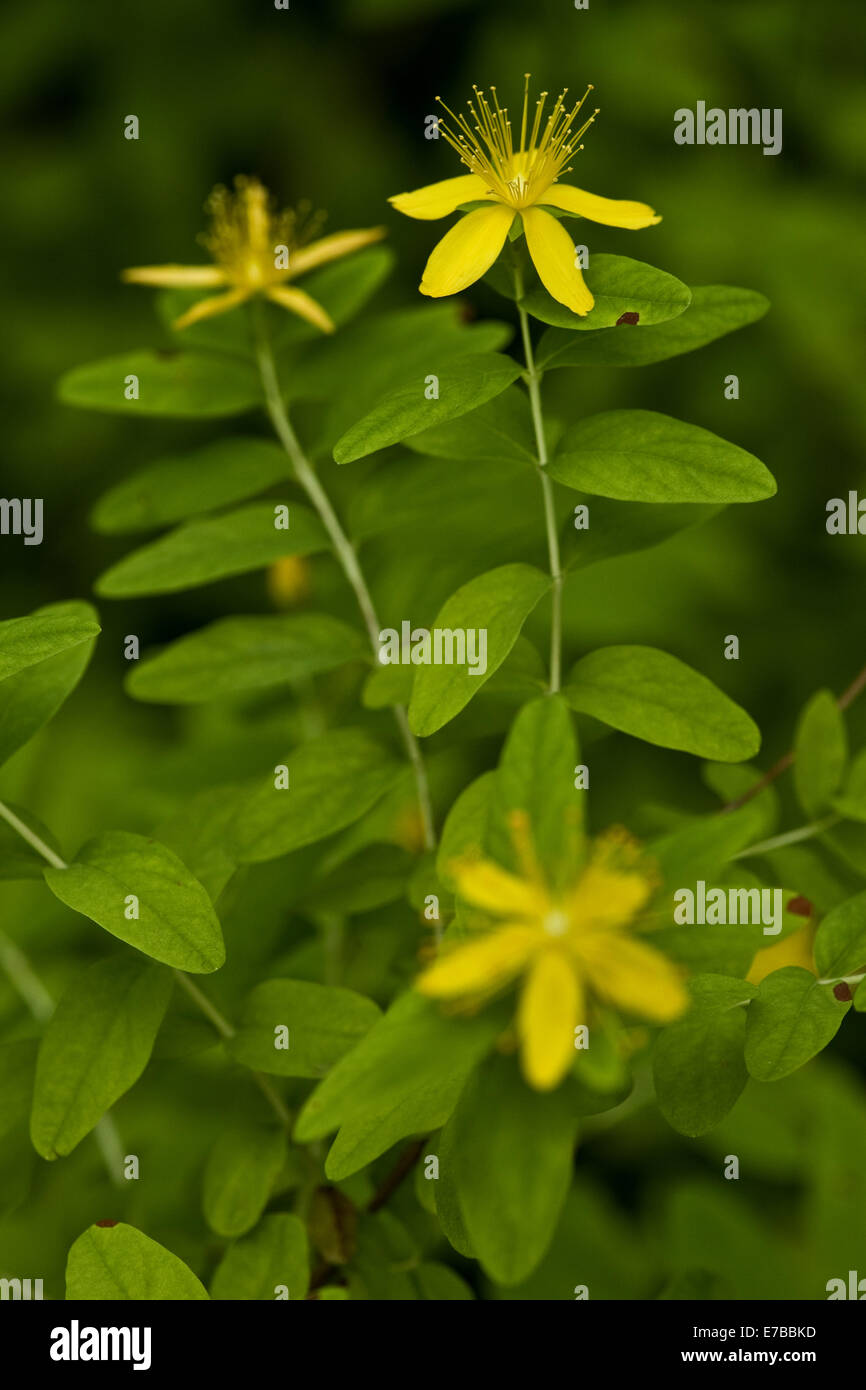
{"type": "Point", "coordinates": [328, 101]}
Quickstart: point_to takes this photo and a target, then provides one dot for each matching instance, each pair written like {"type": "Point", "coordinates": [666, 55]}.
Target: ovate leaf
{"type": "Point", "coordinates": [495, 604]}
{"type": "Point", "coordinates": [171, 383]}
{"type": "Point", "coordinates": [332, 781]}
{"type": "Point", "coordinates": [840, 942]}
{"type": "Point", "coordinates": [655, 697]}
{"type": "Point", "coordinates": [236, 655]}
{"type": "Point", "coordinates": [241, 1170]}
{"type": "Point", "coordinates": [463, 384]}
{"type": "Point", "coordinates": [820, 753]}
{"type": "Point", "coordinates": [513, 1150]}
{"type": "Point", "coordinates": [403, 1078]}
{"type": "Point", "coordinates": [499, 431]}
{"type": "Point", "coordinates": [792, 1018]}
{"type": "Point", "coordinates": [180, 486]}
{"type": "Point", "coordinates": [319, 1024]}
{"type": "Point", "coordinates": [95, 1047]}
{"type": "Point", "coordinates": [698, 1065]}
{"type": "Point", "coordinates": [272, 1257]}
{"type": "Point", "coordinates": [214, 548]}
{"type": "Point", "coordinates": [642, 456]}
{"type": "Point", "coordinates": [619, 286]}
{"type": "Point", "coordinates": [140, 892]}
{"type": "Point", "coordinates": [33, 695]}
{"type": "Point", "coordinates": [714, 311]}
{"type": "Point", "coordinates": [25, 642]}
{"type": "Point", "coordinates": [117, 1262]}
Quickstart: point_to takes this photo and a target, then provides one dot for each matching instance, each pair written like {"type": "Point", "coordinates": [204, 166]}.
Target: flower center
{"type": "Point", "coordinates": [555, 923]}
{"type": "Point", "coordinates": [249, 240]}
{"type": "Point", "coordinates": [485, 143]}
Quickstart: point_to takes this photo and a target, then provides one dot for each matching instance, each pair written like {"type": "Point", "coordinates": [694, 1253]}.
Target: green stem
{"type": "Point", "coordinates": [225, 1030]}
{"type": "Point", "coordinates": [31, 837]}
{"type": "Point", "coordinates": [345, 553]}
{"type": "Point", "coordinates": [791, 837]}
{"type": "Point", "coordinates": [533, 383]}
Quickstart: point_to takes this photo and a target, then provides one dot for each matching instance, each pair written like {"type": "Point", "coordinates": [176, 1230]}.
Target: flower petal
{"type": "Point", "coordinates": [467, 251]}
{"type": "Point", "coordinates": [206, 308]}
{"type": "Point", "coordinates": [304, 305]}
{"type": "Point", "coordinates": [175, 277]}
{"type": "Point", "coordinates": [796, 949]}
{"type": "Point", "coordinates": [552, 252]}
{"type": "Point", "coordinates": [438, 199]}
{"type": "Point", "coordinates": [632, 976]}
{"type": "Point", "coordinates": [480, 967]}
{"type": "Point", "coordinates": [485, 884]}
{"type": "Point", "coordinates": [612, 212]}
{"type": "Point", "coordinates": [329, 248]}
{"type": "Point", "coordinates": [550, 1004]}
{"type": "Point", "coordinates": [615, 884]}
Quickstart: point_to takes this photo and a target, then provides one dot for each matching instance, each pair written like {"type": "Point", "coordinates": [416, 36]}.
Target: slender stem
{"type": "Point", "coordinates": [857, 686]}
{"type": "Point", "coordinates": [791, 837]}
{"type": "Point", "coordinates": [226, 1030]}
{"type": "Point", "coordinates": [345, 553]}
{"type": "Point", "coordinates": [533, 383]}
{"type": "Point", "coordinates": [31, 837]}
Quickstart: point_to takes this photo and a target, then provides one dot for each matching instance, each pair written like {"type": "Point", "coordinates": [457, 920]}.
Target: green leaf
{"type": "Point", "coordinates": [118, 873]}
{"type": "Point", "coordinates": [464, 383]}
{"type": "Point", "coordinates": [655, 697]}
{"type": "Point", "coordinates": [17, 1069]}
{"type": "Point", "coordinates": [403, 1078]}
{"type": "Point", "coordinates": [272, 1257]}
{"type": "Point", "coordinates": [25, 642]}
{"type": "Point", "coordinates": [698, 1065]}
{"type": "Point", "coordinates": [179, 384]}
{"type": "Point", "coordinates": [95, 1047]}
{"type": "Point", "coordinates": [840, 942]}
{"type": "Point", "coordinates": [236, 655]}
{"type": "Point", "coordinates": [851, 803]}
{"type": "Point", "coordinates": [496, 603]}
{"type": "Point", "coordinates": [182, 485]}
{"type": "Point", "coordinates": [466, 824]}
{"type": "Point", "coordinates": [536, 775]}
{"type": "Point", "coordinates": [792, 1018]}
{"type": "Point", "coordinates": [213, 548]}
{"type": "Point", "coordinates": [641, 456]}
{"type": "Point", "coordinates": [619, 286]}
{"type": "Point", "coordinates": [323, 1024]}
{"type": "Point", "coordinates": [240, 1173]}
{"type": "Point", "coordinates": [820, 753]}
{"type": "Point", "coordinates": [440, 1282]}
{"type": "Point", "coordinates": [333, 781]}
{"type": "Point", "coordinates": [497, 432]}
{"type": "Point", "coordinates": [404, 493]}
{"type": "Point", "coordinates": [512, 1148]}
{"type": "Point", "coordinates": [34, 694]}
{"type": "Point", "coordinates": [199, 833]}
{"type": "Point", "coordinates": [621, 528]}
{"type": "Point", "coordinates": [714, 311]}
{"type": "Point", "coordinates": [119, 1262]}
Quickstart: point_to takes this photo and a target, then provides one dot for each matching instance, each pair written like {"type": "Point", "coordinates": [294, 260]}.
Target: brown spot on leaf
{"type": "Point", "coordinates": [801, 907]}
{"type": "Point", "coordinates": [631, 317]}
{"type": "Point", "coordinates": [843, 992]}
{"type": "Point", "coordinates": [105, 1223]}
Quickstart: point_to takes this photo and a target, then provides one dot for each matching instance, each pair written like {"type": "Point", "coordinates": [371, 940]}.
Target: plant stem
{"type": "Point", "coordinates": [226, 1030]}
{"type": "Point", "coordinates": [791, 837]}
{"type": "Point", "coordinates": [533, 384]}
{"type": "Point", "coordinates": [31, 837]}
{"type": "Point", "coordinates": [345, 553]}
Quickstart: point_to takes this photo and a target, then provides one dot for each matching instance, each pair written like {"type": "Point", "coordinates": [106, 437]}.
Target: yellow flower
{"type": "Point", "coordinates": [565, 947]}
{"type": "Point", "coordinates": [255, 250]}
{"type": "Point", "coordinates": [521, 180]}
